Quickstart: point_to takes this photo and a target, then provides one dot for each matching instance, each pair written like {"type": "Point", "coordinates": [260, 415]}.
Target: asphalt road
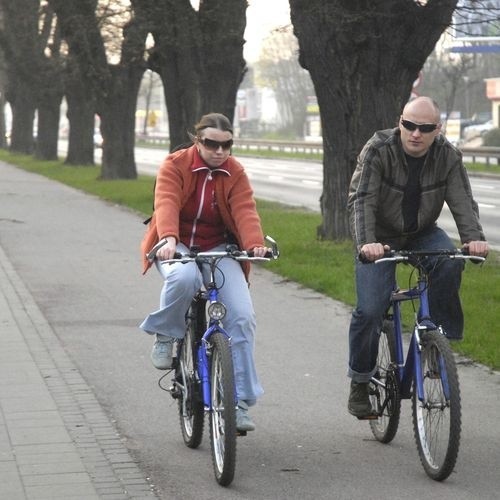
{"type": "Point", "coordinates": [79, 258]}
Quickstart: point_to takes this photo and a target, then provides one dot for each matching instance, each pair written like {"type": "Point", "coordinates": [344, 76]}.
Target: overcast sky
{"type": "Point", "coordinates": [262, 17]}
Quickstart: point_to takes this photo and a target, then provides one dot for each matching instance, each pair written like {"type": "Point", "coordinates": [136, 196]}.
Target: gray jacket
{"type": "Point", "coordinates": [377, 187]}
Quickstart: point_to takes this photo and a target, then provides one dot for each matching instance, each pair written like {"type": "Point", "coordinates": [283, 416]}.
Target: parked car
{"type": "Point", "coordinates": [477, 130]}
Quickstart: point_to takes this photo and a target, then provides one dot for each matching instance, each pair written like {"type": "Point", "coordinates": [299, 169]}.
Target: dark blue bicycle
{"type": "Point", "coordinates": [204, 375]}
{"type": "Point", "coordinates": [428, 375]}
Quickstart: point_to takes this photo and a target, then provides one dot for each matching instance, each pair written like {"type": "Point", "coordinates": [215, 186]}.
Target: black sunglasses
{"type": "Point", "coordinates": [425, 128]}
{"type": "Point", "coordinates": [215, 145]}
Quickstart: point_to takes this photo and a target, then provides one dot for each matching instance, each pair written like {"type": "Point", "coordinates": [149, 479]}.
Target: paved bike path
{"type": "Point", "coordinates": [56, 440]}
{"type": "Point", "coordinates": [81, 415]}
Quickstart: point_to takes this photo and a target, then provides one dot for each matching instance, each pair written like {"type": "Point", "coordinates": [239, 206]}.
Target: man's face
{"type": "Point", "coordinates": [425, 124]}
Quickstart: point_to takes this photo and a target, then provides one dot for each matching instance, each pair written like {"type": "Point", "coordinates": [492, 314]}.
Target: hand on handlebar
{"type": "Point", "coordinates": [261, 251]}
{"type": "Point", "coordinates": [167, 251]}
{"type": "Point", "coordinates": [477, 248]}
{"type": "Point", "coordinates": [370, 252]}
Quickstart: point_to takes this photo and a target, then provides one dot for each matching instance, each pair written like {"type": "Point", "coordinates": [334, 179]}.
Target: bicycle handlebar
{"type": "Point", "coordinates": [406, 255]}
{"type": "Point", "coordinates": [239, 255]}
{"type": "Point", "coordinates": [231, 251]}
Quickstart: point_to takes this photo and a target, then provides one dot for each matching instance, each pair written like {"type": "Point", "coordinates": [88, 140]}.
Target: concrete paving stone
{"type": "Point", "coordinates": [62, 491]}
{"type": "Point", "coordinates": [117, 490]}
{"type": "Point", "coordinates": [31, 418]}
{"type": "Point", "coordinates": [136, 488]}
{"type": "Point", "coordinates": [19, 373]}
{"type": "Point", "coordinates": [101, 485]}
{"type": "Point", "coordinates": [47, 458]}
{"type": "Point", "coordinates": [12, 488]}
{"type": "Point", "coordinates": [114, 496]}
{"type": "Point", "coordinates": [43, 402]}
{"type": "Point", "coordinates": [6, 454]}
{"type": "Point", "coordinates": [40, 435]}
{"type": "Point", "coordinates": [73, 478]}
{"type": "Point", "coordinates": [134, 481]}
{"type": "Point", "coordinates": [119, 458]}
{"type": "Point", "coordinates": [44, 448]}
{"type": "Point", "coordinates": [63, 466]}
{"type": "Point", "coordinates": [8, 466]}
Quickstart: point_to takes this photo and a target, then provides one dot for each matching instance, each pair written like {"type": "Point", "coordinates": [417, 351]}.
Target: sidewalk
{"type": "Point", "coordinates": [56, 442]}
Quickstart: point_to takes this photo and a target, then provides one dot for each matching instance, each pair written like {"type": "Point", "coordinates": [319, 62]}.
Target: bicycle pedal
{"type": "Point", "coordinates": [372, 416]}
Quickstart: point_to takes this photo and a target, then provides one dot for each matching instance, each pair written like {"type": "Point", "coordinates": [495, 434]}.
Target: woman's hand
{"type": "Point", "coordinates": [261, 251]}
{"type": "Point", "coordinates": [167, 251]}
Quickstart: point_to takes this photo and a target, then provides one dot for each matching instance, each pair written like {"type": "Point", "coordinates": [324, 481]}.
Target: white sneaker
{"type": "Point", "coordinates": [161, 354]}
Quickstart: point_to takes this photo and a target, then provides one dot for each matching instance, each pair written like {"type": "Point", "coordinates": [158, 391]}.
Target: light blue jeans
{"type": "Point", "coordinates": [181, 282]}
{"type": "Point", "coordinates": [374, 284]}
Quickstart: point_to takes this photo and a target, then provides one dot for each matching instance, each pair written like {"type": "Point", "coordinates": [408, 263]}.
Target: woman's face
{"type": "Point", "coordinates": [214, 146]}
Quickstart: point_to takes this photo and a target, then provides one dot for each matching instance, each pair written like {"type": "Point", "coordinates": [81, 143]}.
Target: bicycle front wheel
{"type": "Point", "coordinates": [190, 402]}
{"type": "Point", "coordinates": [223, 414]}
{"type": "Point", "coordinates": [437, 418]}
{"type": "Point", "coordinates": [384, 396]}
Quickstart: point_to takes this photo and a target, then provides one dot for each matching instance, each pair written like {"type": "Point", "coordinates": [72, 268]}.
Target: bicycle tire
{"type": "Point", "coordinates": [223, 413]}
{"type": "Point", "coordinates": [437, 421]}
{"type": "Point", "coordinates": [190, 403]}
{"type": "Point", "coordinates": [385, 427]}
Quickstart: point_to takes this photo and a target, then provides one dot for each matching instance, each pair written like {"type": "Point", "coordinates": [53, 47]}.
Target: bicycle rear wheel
{"type": "Point", "coordinates": [437, 419]}
{"type": "Point", "coordinates": [190, 402]}
{"type": "Point", "coordinates": [223, 414]}
{"type": "Point", "coordinates": [385, 398]}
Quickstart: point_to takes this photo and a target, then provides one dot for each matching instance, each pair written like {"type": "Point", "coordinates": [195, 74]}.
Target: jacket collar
{"type": "Point", "coordinates": [199, 164]}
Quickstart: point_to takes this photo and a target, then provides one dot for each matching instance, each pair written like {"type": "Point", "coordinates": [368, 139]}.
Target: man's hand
{"type": "Point", "coordinates": [477, 248]}
{"type": "Point", "coordinates": [373, 251]}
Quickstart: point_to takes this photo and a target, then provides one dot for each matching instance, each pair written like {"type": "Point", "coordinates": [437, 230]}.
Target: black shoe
{"type": "Point", "coordinates": [359, 401]}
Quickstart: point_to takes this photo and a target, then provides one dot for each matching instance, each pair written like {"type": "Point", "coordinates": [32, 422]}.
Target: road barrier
{"type": "Point", "coordinates": [489, 155]}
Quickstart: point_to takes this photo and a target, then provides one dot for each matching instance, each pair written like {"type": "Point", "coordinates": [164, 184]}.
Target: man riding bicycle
{"type": "Point", "coordinates": [401, 182]}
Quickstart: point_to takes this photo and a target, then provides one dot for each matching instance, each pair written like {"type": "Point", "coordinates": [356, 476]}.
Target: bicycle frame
{"type": "Point", "coordinates": [203, 351]}
{"type": "Point", "coordinates": [410, 369]}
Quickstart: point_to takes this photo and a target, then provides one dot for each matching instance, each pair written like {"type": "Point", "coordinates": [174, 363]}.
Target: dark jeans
{"type": "Point", "coordinates": [374, 284]}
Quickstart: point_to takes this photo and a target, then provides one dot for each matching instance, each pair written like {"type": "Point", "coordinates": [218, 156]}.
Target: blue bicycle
{"type": "Point", "coordinates": [204, 377]}
{"type": "Point", "coordinates": [428, 375]}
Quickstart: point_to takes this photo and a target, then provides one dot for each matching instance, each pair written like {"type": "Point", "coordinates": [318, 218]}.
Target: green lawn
{"type": "Point", "coordinates": [321, 265]}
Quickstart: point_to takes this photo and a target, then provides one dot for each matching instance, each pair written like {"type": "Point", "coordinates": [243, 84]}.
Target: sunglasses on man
{"type": "Point", "coordinates": [424, 128]}
{"type": "Point", "coordinates": [215, 145]}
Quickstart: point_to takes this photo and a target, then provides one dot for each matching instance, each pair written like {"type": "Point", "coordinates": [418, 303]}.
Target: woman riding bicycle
{"type": "Point", "coordinates": [203, 198]}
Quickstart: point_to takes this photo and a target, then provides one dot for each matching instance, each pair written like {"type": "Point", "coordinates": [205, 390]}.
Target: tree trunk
{"type": "Point", "coordinates": [176, 34]}
{"type": "Point", "coordinates": [363, 60]}
{"type": "Point", "coordinates": [199, 57]}
{"type": "Point", "coordinates": [49, 109]}
{"type": "Point", "coordinates": [20, 44]}
{"type": "Point", "coordinates": [114, 86]}
{"type": "Point", "coordinates": [48, 128]}
{"type": "Point", "coordinates": [117, 115]}
{"type": "Point", "coordinates": [22, 103]}
{"type": "Point", "coordinates": [81, 117]}
{"type": "Point", "coordinates": [222, 24]}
